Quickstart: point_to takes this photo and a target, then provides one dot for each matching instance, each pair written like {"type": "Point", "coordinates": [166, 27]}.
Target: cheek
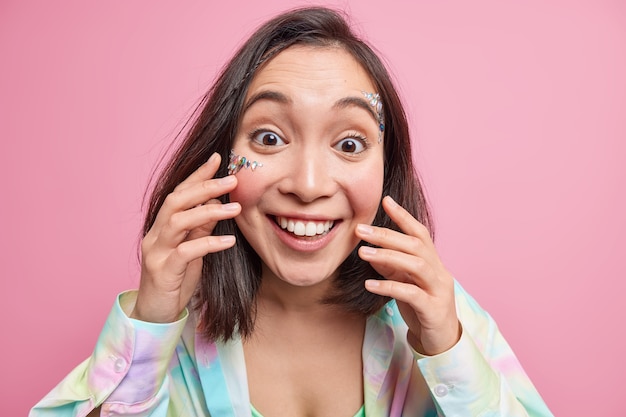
{"type": "Point", "coordinates": [249, 189]}
{"type": "Point", "coordinates": [365, 193]}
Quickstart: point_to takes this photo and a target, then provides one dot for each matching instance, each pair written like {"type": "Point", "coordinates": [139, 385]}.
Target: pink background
{"type": "Point", "coordinates": [518, 113]}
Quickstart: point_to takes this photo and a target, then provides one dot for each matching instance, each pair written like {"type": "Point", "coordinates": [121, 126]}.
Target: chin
{"type": "Point", "coordinates": [306, 276]}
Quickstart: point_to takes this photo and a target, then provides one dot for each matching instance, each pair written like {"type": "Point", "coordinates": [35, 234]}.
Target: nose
{"type": "Point", "coordinates": [309, 175]}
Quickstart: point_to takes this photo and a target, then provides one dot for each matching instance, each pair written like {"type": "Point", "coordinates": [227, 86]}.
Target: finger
{"type": "Point", "coordinates": [187, 198]}
{"type": "Point", "coordinates": [391, 239]}
{"type": "Point", "coordinates": [206, 228]}
{"type": "Point", "coordinates": [397, 241]}
{"type": "Point", "coordinates": [405, 221]}
{"type": "Point", "coordinates": [399, 266]}
{"type": "Point", "coordinates": [200, 220]}
{"type": "Point", "coordinates": [191, 250]}
{"type": "Point", "coordinates": [204, 172]}
{"type": "Point", "coordinates": [400, 291]}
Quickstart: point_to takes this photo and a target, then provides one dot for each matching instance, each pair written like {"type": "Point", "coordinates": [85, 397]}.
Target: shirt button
{"type": "Point", "coordinates": [119, 365]}
{"type": "Point", "coordinates": [441, 390]}
{"type": "Point", "coordinates": [389, 311]}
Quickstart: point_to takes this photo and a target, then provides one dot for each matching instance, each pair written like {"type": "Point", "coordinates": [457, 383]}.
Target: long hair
{"type": "Point", "coordinates": [225, 298]}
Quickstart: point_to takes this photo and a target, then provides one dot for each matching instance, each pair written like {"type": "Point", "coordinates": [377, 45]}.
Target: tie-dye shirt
{"type": "Point", "coordinates": [147, 369]}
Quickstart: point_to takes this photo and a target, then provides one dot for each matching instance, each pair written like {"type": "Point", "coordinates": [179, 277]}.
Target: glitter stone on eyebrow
{"type": "Point", "coordinates": [375, 101]}
{"type": "Point", "coordinates": [236, 162]}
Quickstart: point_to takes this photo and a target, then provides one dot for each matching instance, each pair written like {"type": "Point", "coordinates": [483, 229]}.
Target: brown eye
{"type": "Point", "coordinates": [268, 139]}
{"type": "Point", "coordinates": [350, 145]}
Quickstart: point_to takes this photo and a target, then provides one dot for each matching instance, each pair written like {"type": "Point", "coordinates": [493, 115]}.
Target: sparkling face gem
{"type": "Point", "coordinates": [375, 101]}
{"type": "Point", "coordinates": [236, 162]}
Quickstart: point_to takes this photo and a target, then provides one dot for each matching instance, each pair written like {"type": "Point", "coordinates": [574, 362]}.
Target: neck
{"type": "Point", "coordinates": [276, 294]}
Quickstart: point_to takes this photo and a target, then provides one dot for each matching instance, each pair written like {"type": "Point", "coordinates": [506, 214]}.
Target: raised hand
{"type": "Point", "coordinates": [181, 235]}
{"type": "Point", "coordinates": [415, 277]}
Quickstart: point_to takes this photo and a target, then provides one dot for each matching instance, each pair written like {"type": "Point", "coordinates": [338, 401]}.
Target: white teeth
{"type": "Point", "coordinates": [311, 229]}
{"type": "Point", "coordinates": [301, 228]}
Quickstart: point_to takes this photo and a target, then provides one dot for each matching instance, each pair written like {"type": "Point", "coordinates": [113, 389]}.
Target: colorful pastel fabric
{"type": "Point", "coordinates": [255, 413]}
{"type": "Point", "coordinates": [166, 370]}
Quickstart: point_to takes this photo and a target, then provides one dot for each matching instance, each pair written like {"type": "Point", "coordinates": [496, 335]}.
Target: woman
{"type": "Point", "coordinates": [302, 247]}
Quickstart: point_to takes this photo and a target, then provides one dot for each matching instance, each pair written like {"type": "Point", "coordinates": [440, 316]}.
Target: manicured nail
{"type": "Point", "coordinates": [227, 239]}
{"type": "Point", "coordinates": [391, 201]}
{"type": "Point", "coordinates": [227, 180]}
{"type": "Point", "coordinates": [230, 206]}
{"type": "Point", "coordinates": [213, 157]}
{"type": "Point", "coordinates": [368, 250]}
{"type": "Point", "coordinates": [365, 229]}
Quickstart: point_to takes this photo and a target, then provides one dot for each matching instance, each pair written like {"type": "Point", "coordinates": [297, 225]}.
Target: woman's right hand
{"type": "Point", "coordinates": [181, 235]}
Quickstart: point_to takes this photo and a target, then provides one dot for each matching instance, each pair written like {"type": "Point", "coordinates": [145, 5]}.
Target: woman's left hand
{"type": "Point", "coordinates": [415, 277]}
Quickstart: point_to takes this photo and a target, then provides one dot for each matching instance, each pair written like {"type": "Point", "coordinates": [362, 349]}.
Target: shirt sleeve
{"type": "Point", "coordinates": [127, 372]}
{"type": "Point", "coordinates": [479, 376]}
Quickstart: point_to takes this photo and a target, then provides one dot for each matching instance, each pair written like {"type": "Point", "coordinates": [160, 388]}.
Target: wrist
{"type": "Point", "coordinates": [442, 341]}
{"type": "Point", "coordinates": [152, 311]}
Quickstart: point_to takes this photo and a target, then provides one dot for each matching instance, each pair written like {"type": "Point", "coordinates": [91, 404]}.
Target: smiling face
{"type": "Point", "coordinates": [308, 122]}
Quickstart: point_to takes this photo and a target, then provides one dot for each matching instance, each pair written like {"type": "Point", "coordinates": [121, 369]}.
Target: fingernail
{"type": "Point", "coordinates": [227, 239]}
{"type": "Point", "coordinates": [368, 250]}
{"type": "Point", "coordinates": [213, 157]}
{"type": "Point", "coordinates": [230, 206]}
{"type": "Point", "coordinates": [365, 229]}
{"type": "Point", "coordinates": [372, 283]}
{"type": "Point", "coordinates": [391, 201]}
{"type": "Point", "coordinates": [226, 180]}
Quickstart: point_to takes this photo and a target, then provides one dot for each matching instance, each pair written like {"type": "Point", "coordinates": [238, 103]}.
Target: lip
{"type": "Point", "coordinates": [304, 243]}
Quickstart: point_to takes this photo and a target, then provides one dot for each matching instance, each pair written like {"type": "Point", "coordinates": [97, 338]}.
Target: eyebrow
{"type": "Point", "coordinates": [280, 98]}
{"type": "Point", "coordinates": [267, 95]}
{"type": "Point", "coordinates": [357, 102]}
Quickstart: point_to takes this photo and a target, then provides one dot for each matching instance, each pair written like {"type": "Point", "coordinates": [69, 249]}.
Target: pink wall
{"type": "Point", "coordinates": [518, 112]}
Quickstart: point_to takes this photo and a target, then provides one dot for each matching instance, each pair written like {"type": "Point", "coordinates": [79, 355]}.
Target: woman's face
{"type": "Point", "coordinates": [307, 121]}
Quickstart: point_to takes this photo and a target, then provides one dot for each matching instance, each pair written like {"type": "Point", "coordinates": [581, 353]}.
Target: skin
{"type": "Point", "coordinates": [416, 278]}
{"type": "Point", "coordinates": [296, 101]}
{"type": "Point", "coordinates": [173, 248]}
{"type": "Point", "coordinates": [323, 163]}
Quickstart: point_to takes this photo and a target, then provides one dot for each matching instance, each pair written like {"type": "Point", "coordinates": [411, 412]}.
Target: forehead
{"type": "Point", "coordinates": [328, 72]}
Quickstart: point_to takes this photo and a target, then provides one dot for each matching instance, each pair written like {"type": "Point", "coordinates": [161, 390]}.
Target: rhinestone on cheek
{"type": "Point", "coordinates": [237, 162]}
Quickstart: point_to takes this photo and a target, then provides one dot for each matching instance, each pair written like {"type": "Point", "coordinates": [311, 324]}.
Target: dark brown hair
{"type": "Point", "coordinates": [230, 279]}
